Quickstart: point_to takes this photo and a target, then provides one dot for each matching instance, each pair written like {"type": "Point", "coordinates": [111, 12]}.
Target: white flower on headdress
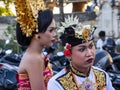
{"type": "Point", "coordinates": [78, 29]}
{"type": "Point", "coordinates": [69, 21]}
{"type": "Point", "coordinates": [81, 31]}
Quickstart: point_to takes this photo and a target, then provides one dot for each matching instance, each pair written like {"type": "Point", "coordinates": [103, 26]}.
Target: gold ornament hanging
{"type": "Point", "coordinates": [27, 14]}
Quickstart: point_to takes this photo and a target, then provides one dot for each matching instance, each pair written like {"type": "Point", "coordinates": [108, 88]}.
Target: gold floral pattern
{"type": "Point", "coordinates": [81, 31]}
{"type": "Point", "coordinates": [86, 34]}
{"type": "Point", "coordinates": [100, 79]}
{"type": "Point", "coordinates": [27, 11]}
{"type": "Point", "coordinates": [68, 81]}
{"type": "Point", "coordinates": [76, 71]}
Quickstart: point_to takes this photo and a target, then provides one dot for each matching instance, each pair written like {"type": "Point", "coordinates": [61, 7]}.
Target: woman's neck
{"type": "Point", "coordinates": [35, 47]}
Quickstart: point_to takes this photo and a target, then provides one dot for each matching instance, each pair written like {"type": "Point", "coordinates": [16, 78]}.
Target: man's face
{"type": "Point", "coordinates": [83, 55]}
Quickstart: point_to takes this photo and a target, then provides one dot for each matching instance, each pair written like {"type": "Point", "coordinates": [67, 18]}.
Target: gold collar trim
{"type": "Point", "coordinates": [69, 82]}
{"type": "Point", "coordinates": [77, 72]}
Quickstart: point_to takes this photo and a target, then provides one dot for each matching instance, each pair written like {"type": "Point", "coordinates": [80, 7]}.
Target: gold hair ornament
{"type": "Point", "coordinates": [81, 31]}
{"type": "Point", "coordinates": [27, 14]}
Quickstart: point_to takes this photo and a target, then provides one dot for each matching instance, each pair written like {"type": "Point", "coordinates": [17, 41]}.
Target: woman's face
{"type": "Point", "coordinates": [83, 55]}
{"type": "Point", "coordinates": [49, 35]}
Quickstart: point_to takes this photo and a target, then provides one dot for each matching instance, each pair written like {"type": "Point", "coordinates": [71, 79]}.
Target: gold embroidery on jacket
{"type": "Point", "coordinates": [68, 83]}
{"type": "Point", "coordinates": [77, 72]}
{"type": "Point", "coordinates": [100, 78]}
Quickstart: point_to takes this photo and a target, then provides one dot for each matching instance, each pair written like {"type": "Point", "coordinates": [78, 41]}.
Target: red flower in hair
{"type": "Point", "coordinates": [67, 50]}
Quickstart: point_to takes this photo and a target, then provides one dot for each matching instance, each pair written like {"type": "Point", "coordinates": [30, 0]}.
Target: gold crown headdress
{"type": "Point", "coordinates": [81, 31]}
{"type": "Point", "coordinates": [27, 14]}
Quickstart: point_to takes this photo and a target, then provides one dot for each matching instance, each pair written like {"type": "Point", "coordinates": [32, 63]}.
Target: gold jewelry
{"type": "Point", "coordinates": [86, 85]}
{"type": "Point", "coordinates": [68, 81]}
{"type": "Point", "coordinates": [81, 31]}
{"type": "Point", "coordinates": [27, 14]}
{"type": "Point", "coordinates": [76, 71]}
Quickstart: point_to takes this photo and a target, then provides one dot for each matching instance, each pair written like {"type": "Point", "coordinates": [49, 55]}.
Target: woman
{"type": "Point", "coordinates": [35, 33]}
{"type": "Point", "coordinates": [80, 50]}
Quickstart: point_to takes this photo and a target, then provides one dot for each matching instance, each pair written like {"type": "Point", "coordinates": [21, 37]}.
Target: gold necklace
{"type": "Point", "coordinates": [76, 71]}
{"type": "Point", "coordinates": [86, 85]}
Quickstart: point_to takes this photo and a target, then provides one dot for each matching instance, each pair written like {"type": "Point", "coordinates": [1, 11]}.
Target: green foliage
{"type": "Point", "coordinates": [1, 44]}
{"type": "Point", "coordinates": [6, 10]}
{"type": "Point", "coordinates": [14, 46]}
{"type": "Point", "coordinates": [7, 1]}
{"type": "Point", "coordinates": [9, 13]}
{"type": "Point", "coordinates": [2, 11]}
{"type": "Point", "coordinates": [10, 33]}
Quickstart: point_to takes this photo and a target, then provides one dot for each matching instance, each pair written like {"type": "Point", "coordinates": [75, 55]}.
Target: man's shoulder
{"type": "Point", "coordinates": [59, 74]}
{"type": "Point", "coordinates": [98, 69]}
{"type": "Point", "coordinates": [53, 83]}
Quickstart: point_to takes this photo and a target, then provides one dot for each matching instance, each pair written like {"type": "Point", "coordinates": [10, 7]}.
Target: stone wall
{"type": "Point", "coordinates": [87, 16]}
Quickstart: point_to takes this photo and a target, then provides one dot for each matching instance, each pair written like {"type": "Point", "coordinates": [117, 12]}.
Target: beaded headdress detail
{"type": "Point", "coordinates": [84, 32]}
{"type": "Point", "coordinates": [75, 32]}
{"type": "Point", "coordinates": [27, 14]}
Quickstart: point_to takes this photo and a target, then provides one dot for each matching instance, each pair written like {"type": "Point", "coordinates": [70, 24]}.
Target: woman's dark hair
{"type": "Point", "coordinates": [44, 20]}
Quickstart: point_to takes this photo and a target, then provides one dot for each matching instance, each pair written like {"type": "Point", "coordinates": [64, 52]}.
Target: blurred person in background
{"type": "Point", "coordinates": [117, 41]}
{"type": "Point", "coordinates": [101, 41]}
{"type": "Point", "coordinates": [105, 43]}
{"type": "Point", "coordinates": [117, 49]}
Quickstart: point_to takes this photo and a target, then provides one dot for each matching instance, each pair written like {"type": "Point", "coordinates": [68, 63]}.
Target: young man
{"type": "Point", "coordinates": [80, 50]}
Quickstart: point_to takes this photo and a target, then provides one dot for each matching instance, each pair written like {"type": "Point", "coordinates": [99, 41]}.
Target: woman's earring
{"type": "Point", "coordinates": [38, 37]}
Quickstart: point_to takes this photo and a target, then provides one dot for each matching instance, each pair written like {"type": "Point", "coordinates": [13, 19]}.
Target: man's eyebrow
{"type": "Point", "coordinates": [85, 45]}
{"type": "Point", "coordinates": [82, 46]}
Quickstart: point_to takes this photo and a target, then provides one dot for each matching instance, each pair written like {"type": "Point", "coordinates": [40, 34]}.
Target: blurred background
{"type": "Point", "coordinates": [105, 14]}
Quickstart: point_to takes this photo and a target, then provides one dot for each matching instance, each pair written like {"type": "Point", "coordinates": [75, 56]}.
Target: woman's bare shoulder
{"type": "Point", "coordinates": [29, 61]}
